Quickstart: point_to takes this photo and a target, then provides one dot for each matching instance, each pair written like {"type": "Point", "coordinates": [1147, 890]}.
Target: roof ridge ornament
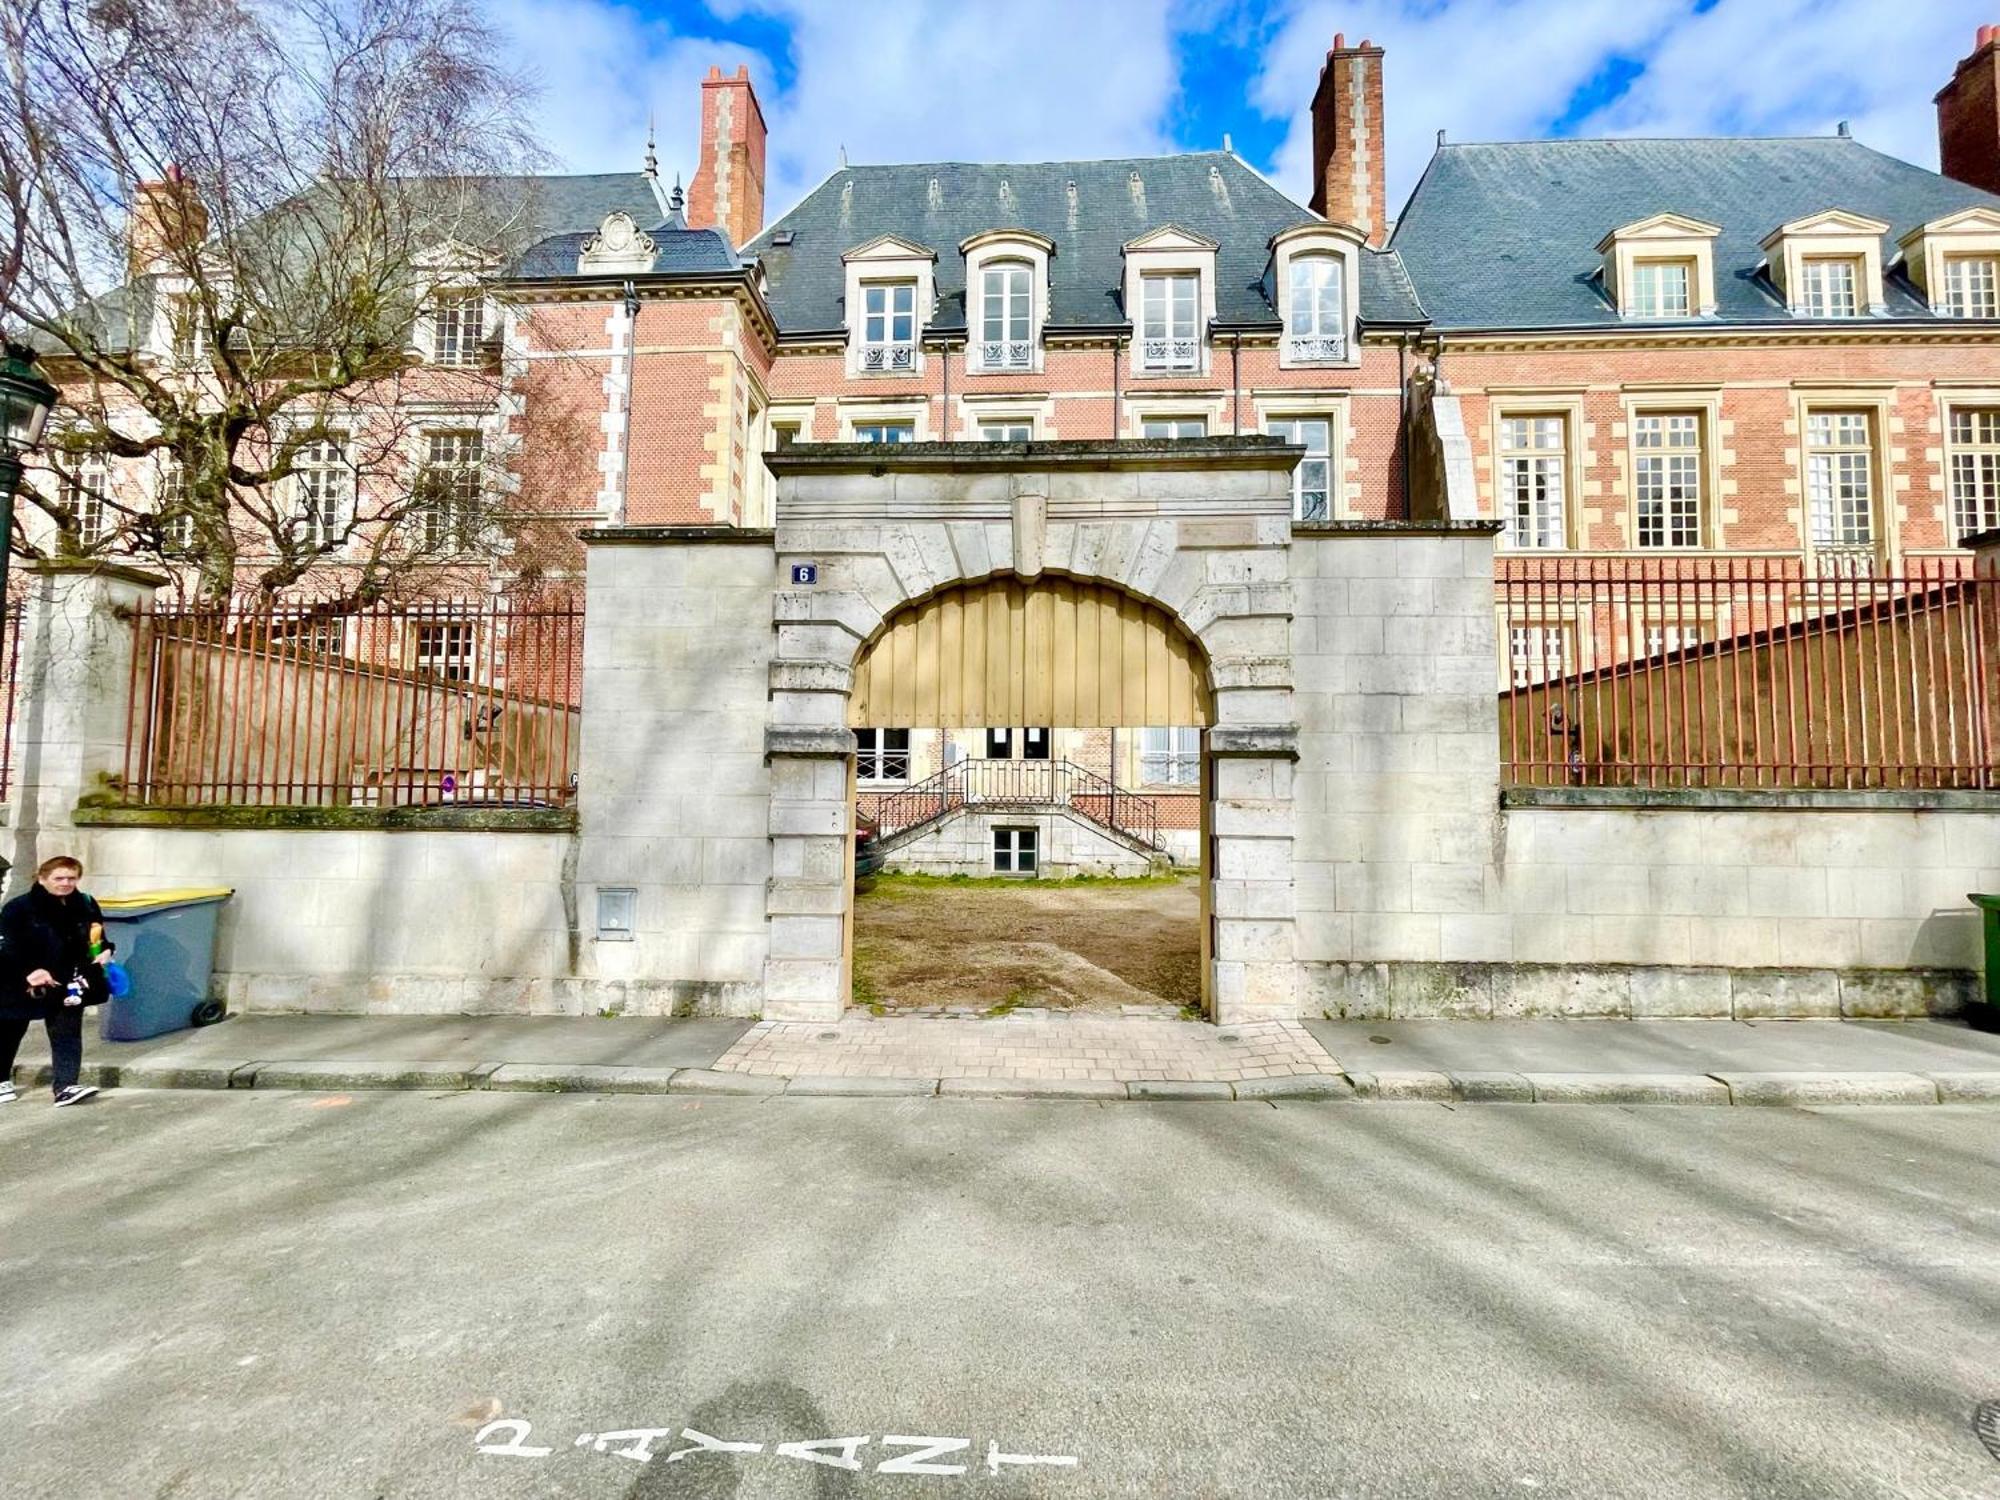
{"type": "Point", "coordinates": [618, 245]}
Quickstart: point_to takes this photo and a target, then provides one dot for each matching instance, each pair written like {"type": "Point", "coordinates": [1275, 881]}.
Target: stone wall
{"type": "Point", "coordinates": [1419, 893]}
{"type": "Point", "coordinates": [1069, 844]}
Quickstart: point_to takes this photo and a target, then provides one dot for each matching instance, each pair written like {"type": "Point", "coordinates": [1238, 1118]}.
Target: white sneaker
{"type": "Point", "coordinates": [7, 1093]}
{"type": "Point", "coordinates": [76, 1093]}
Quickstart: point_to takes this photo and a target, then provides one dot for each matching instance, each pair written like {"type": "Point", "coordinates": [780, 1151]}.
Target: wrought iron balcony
{"type": "Point", "coordinates": [1169, 354]}
{"type": "Point", "coordinates": [1316, 348]}
{"type": "Point", "coordinates": [1006, 354]}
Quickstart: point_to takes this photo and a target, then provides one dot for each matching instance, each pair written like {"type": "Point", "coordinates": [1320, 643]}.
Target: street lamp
{"type": "Point", "coordinates": [25, 400]}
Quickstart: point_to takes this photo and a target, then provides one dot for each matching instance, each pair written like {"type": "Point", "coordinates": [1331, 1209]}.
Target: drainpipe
{"type": "Point", "coordinates": [944, 417]}
{"type": "Point", "coordinates": [1117, 413]}
{"type": "Point", "coordinates": [1236, 384]}
{"type": "Point", "coordinates": [1403, 383]}
{"type": "Point", "coordinates": [625, 445]}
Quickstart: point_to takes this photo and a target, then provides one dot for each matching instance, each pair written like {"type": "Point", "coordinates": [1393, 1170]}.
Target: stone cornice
{"type": "Point", "coordinates": [1730, 337]}
{"type": "Point", "coordinates": [1085, 453]}
{"type": "Point", "coordinates": [647, 535]}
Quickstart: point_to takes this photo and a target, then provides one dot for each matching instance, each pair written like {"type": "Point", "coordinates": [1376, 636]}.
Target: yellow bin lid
{"type": "Point", "coordinates": [139, 903]}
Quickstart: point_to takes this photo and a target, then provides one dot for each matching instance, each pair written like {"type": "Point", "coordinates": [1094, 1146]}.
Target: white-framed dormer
{"type": "Point", "coordinates": [457, 321]}
{"type": "Point", "coordinates": [1661, 268]}
{"type": "Point", "coordinates": [891, 291]}
{"type": "Point", "coordinates": [1316, 278]}
{"type": "Point", "coordinates": [1828, 265]}
{"type": "Point", "coordinates": [1170, 298]}
{"type": "Point", "coordinates": [1006, 300]}
{"type": "Point", "coordinates": [1955, 262]}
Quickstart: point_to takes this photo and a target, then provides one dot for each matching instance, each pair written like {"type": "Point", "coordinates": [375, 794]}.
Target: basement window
{"type": "Point", "coordinates": [1015, 850]}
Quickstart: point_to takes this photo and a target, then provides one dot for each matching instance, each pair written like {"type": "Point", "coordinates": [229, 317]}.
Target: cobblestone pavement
{"type": "Point", "coordinates": [1034, 1045]}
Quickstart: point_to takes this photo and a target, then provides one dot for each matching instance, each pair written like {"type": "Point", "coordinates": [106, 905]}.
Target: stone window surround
{"type": "Point", "coordinates": [1665, 237]}
{"type": "Point", "coordinates": [1950, 399]}
{"type": "Point", "coordinates": [889, 259]}
{"type": "Point", "coordinates": [791, 413]}
{"type": "Point", "coordinates": [1156, 405]}
{"type": "Point", "coordinates": [857, 411]}
{"type": "Point", "coordinates": [1333, 407]}
{"type": "Point", "coordinates": [1341, 241]}
{"type": "Point", "coordinates": [1878, 401]}
{"type": "Point", "coordinates": [1833, 235]}
{"type": "Point", "coordinates": [1038, 410]}
{"type": "Point", "coordinates": [1972, 231]}
{"type": "Point", "coordinates": [1566, 404]}
{"type": "Point", "coordinates": [989, 248]}
{"type": "Point", "coordinates": [458, 269]}
{"type": "Point", "coordinates": [1167, 249]}
{"type": "Point", "coordinates": [1705, 402]}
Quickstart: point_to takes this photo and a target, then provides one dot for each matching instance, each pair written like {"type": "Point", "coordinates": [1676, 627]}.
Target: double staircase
{"type": "Point", "coordinates": [1019, 786]}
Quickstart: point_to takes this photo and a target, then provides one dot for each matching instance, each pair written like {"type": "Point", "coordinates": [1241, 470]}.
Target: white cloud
{"type": "Point", "coordinates": [1508, 69]}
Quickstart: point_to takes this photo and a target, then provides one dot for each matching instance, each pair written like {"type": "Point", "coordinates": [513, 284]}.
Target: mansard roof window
{"type": "Point", "coordinates": [1316, 310]}
{"type": "Point", "coordinates": [1169, 321]}
{"type": "Point", "coordinates": [1006, 316]}
{"type": "Point", "coordinates": [888, 326]}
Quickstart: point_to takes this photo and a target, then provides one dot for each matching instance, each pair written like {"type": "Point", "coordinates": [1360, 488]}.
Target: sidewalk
{"type": "Point", "coordinates": [1090, 1055]}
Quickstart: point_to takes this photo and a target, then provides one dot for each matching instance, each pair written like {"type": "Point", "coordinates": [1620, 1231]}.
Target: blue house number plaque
{"type": "Point", "coordinates": [805, 572]}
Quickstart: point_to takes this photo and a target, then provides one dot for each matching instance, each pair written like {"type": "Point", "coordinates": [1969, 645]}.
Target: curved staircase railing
{"type": "Point", "coordinates": [1022, 784]}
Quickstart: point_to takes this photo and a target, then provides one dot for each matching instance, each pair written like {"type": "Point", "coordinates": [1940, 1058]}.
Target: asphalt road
{"type": "Point", "coordinates": [289, 1295]}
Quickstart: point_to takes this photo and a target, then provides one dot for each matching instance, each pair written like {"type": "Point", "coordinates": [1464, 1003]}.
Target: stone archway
{"type": "Point", "coordinates": [1198, 530]}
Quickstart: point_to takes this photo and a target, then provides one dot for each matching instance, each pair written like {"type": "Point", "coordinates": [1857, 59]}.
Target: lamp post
{"type": "Point", "coordinates": [25, 400]}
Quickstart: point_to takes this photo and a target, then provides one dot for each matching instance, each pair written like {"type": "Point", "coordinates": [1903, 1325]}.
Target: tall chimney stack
{"type": "Point", "coordinates": [727, 192]}
{"type": "Point", "coordinates": [1348, 155]}
{"type": "Point", "coordinates": [168, 219]}
{"type": "Point", "coordinates": [1969, 116]}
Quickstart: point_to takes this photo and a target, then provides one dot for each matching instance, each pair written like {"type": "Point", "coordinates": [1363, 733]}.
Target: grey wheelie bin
{"type": "Point", "coordinates": [166, 941]}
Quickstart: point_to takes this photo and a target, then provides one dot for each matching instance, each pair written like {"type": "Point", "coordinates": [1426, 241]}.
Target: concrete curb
{"type": "Point", "coordinates": [1794, 1089]}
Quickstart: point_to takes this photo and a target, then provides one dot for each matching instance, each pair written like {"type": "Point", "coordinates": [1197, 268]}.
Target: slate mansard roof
{"type": "Point", "coordinates": [1505, 236]}
{"type": "Point", "coordinates": [1088, 209]}
{"type": "Point", "coordinates": [570, 209]}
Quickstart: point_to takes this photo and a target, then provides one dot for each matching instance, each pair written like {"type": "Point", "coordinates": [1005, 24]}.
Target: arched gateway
{"type": "Point", "coordinates": [1135, 582]}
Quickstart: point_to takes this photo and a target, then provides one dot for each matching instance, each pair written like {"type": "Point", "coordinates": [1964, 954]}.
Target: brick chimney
{"type": "Point", "coordinates": [167, 218]}
{"type": "Point", "coordinates": [1348, 156]}
{"type": "Point", "coordinates": [728, 188]}
{"type": "Point", "coordinates": [1969, 116]}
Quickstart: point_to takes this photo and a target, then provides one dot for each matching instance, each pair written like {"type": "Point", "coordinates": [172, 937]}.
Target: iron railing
{"type": "Point", "coordinates": [1024, 785]}
{"type": "Point", "coordinates": [464, 702]}
{"type": "Point", "coordinates": [1757, 672]}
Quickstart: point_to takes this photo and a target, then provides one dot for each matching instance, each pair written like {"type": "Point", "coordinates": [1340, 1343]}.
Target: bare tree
{"type": "Point", "coordinates": [247, 237]}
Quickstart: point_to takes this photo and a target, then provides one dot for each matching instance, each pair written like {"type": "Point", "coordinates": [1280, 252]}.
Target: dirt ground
{"type": "Point", "coordinates": [1092, 945]}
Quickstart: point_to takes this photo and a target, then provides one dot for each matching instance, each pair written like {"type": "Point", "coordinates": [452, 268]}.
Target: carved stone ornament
{"type": "Point", "coordinates": [618, 245]}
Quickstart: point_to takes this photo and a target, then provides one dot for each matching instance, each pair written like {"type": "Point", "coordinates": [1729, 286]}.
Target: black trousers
{"type": "Point", "coordinates": [65, 1028]}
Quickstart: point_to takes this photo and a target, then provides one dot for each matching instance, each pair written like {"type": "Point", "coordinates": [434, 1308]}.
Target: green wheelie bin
{"type": "Point", "coordinates": [1986, 1016]}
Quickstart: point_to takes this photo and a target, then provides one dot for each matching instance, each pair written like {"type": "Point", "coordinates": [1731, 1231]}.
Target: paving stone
{"type": "Point", "coordinates": [579, 1078]}
{"type": "Point", "coordinates": [1493, 1088]}
{"type": "Point", "coordinates": [1627, 1088]}
{"type": "Point", "coordinates": [809, 1086]}
{"type": "Point", "coordinates": [1960, 1088]}
{"type": "Point", "coordinates": [1179, 1088]}
{"type": "Point", "coordinates": [356, 1075]}
{"type": "Point", "coordinates": [712, 1081]}
{"type": "Point", "coordinates": [1031, 1088]}
{"type": "Point", "coordinates": [1427, 1086]}
{"type": "Point", "coordinates": [1830, 1088]}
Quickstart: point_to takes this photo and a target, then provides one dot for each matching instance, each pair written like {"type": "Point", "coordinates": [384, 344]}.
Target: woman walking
{"type": "Point", "coordinates": [52, 955]}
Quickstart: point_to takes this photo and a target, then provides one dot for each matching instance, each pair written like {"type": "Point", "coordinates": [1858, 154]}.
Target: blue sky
{"type": "Point", "coordinates": [909, 80]}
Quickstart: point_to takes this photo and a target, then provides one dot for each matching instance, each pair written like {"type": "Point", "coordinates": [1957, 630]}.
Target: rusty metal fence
{"type": "Point", "coordinates": [1717, 672]}
{"type": "Point", "coordinates": [462, 702]}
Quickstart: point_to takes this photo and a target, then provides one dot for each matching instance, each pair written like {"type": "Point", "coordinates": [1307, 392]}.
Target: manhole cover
{"type": "Point", "coordinates": [1229, 1036]}
{"type": "Point", "coordinates": [1380, 1041]}
{"type": "Point", "coordinates": [1986, 1422]}
{"type": "Point", "coordinates": [829, 1036]}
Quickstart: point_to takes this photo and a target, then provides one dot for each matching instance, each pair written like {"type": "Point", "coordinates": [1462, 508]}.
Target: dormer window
{"type": "Point", "coordinates": [1006, 316]}
{"type": "Point", "coordinates": [1169, 321]}
{"type": "Point", "coordinates": [1662, 267]}
{"type": "Point", "coordinates": [1659, 289]}
{"type": "Point", "coordinates": [1316, 310]}
{"type": "Point", "coordinates": [1828, 287]}
{"type": "Point", "coordinates": [888, 326]}
{"type": "Point", "coordinates": [458, 324]}
{"type": "Point", "coordinates": [1971, 286]}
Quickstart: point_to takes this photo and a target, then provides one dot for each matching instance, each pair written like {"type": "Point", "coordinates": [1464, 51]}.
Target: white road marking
{"type": "Point", "coordinates": [815, 1452]}
{"type": "Point", "coordinates": [914, 1463]}
{"type": "Point", "coordinates": [515, 1446]}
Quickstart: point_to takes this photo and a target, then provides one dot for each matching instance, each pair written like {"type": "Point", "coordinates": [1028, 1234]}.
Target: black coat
{"type": "Point", "coordinates": [41, 930]}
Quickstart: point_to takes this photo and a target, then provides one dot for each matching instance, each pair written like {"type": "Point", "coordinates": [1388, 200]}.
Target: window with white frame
{"type": "Point", "coordinates": [1015, 851]}
{"type": "Point", "coordinates": [1659, 289]}
{"type": "Point", "coordinates": [171, 506]}
{"type": "Point", "coordinates": [1533, 481]}
{"type": "Point", "coordinates": [1975, 470]}
{"type": "Point", "coordinates": [1666, 473]}
{"type": "Point", "coordinates": [885, 432]}
{"type": "Point", "coordinates": [1169, 321]}
{"type": "Point", "coordinates": [458, 324]}
{"type": "Point", "coordinates": [1311, 480]}
{"type": "Point", "coordinates": [1971, 286]}
{"type": "Point", "coordinates": [888, 326]}
{"type": "Point", "coordinates": [1828, 287]}
{"type": "Point", "coordinates": [1006, 313]}
{"type": "Point", "coordinates": [184, 327]}
{"type": "Point", "coordinates": [1006, 432]}
{"type": "Point", "coordinates": [322, 634]}
{"type": "Point", "coordinates": [452, 481]}
{"type": "Point", "coordinates": [1537, 653]}
{"type": "Point", "coordinates": [1170, 757]}
{"type": "Point", "coordinates": [323, 489]}
{"type": "Point", "coordinates": [86, 481]}
{"type": "Point", "coordinates": [1840, 478]}
{"type": "Point", "coordinates": [1174, 427]}
{"type": "Point", "coordinates": [882, 754]}
{"type": "Point", "coordinates": [1316, 309]}
{"type": "Point", "coordinates": [446, 650]}
{"type": "Point", "coordinates": [1663, 638]}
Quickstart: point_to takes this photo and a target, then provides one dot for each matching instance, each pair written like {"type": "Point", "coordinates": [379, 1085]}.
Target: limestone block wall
{"type": "Point", "coordinates": [962, 844]}
{"type": "Point", "coordinates": [1419, 893]}
{"type": "Point", "coordinates": [674, 790]}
